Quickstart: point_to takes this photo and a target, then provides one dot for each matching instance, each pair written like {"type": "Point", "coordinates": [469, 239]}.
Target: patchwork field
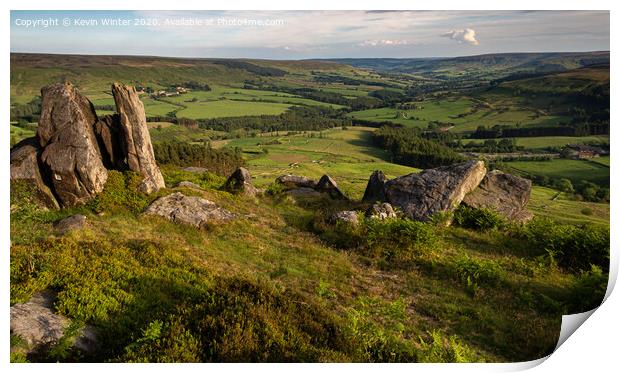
{"type": "Point", "coordinates": [550, 141]}
{"type": "Point", "coordinates": [571, 169]}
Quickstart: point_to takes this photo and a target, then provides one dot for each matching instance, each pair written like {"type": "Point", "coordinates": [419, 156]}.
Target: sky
{"type": "Point", "coordinates": [308, 34]}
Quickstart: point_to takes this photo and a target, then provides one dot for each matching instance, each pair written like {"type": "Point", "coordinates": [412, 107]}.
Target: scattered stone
{"type": "Point", "coordinates": [303, 192]}
{"type": "Point", "coordinates": [347, 217]}
{"type": "Point", "coordinates": [136, 141]}
{"type": "Point", "coordinates": [294, 181]}
{"type": "Point", "coordinates": [25, 166]}
{"type": "Point", "coordinates": [375, 189]}
{"type": "Point", "coordinates": [507, 194]}
{"type": "Point", "coordinates": [37, 324]}
{"type": "Point", "coordinates": [421, 195]}
{"type": "Point", "coordinates": [198, 170]}
{"type": "Point", "coordinates": [381, 211]}
{"type": "Point", "coordinates": [188, 184]}
{"type": "Point", "coordinates": [71, 223]}
{"type": "Point", "coordinates": [328, 185]}
{"type": "Point", "coordinates": [240, 182]}
{"type": "Point", "coordinates": [194, 211]}
{"type": "Point", "coordinates": [70, 152]}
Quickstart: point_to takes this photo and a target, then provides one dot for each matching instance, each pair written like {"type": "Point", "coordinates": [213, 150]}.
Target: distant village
{"type": "Point", "coordinates": [161, 93]}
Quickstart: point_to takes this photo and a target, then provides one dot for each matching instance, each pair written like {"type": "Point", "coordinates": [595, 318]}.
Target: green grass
{"type": "Point", "coordinates": [551, 141]}
{"type": "Point", "coordinates": [543, 202]}
{"type": "Point", "coordinates": [228, 108]}
{"type": "Point", "coordinates": [572, 169]}
{"type": "Point", "coordinates": [18, 134]}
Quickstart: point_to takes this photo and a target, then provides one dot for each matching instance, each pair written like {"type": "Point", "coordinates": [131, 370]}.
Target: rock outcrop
{"type": "Point", "coordinates": [421, 195]}
{"type": "Point", "coordinates": [507, 194]}
{"type": "Point", "coordinates": [67, 162]}
{"type": "Point", "coordinates": [381, 211]}
{"type": "Point", "coordinates": [303, 193]}
{"type": "Point", "coordinates": [294, 181]}
{"type": "Point", "coordinates": [36, 323]}
{"type": "Point", "coordinates": [375, 189]}
{"type": "Point", "coordinates": [328, 185]}
{"type": "Point", "coordinates": [25, 167]}
{"type": "Point", "coordinates": [240, 182]}
{"type": "Point", "coordinates": [194, 211]}
{"type": "Point", "coordinates": [70, 154]}
{"type": "Point", "coordinates": [136, 141]}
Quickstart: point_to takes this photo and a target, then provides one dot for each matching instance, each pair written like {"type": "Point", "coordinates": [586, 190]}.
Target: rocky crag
{"type": "Point", "coordinates": [68, 160]}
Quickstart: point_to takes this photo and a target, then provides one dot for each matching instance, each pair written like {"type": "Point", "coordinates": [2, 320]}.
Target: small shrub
{"type": "Point", "coordinates": [573, 247]}
{"type": "Point", "coordinates": [120, 193]}
{"type": "Point", "coordinates": [588, 290]}
{"type": "Point", "coordinates": [478, 219]}
{"type": "Point", "coordinates": [587, 211]}
{"type": "Point", "coordinates": [399, 239]}
{"type": "Point", "coordinates": [473, 272]}
{"type": "Point", "coordinates": [440, 349]}
{"type": "Point", "coordinates": [377, 331]}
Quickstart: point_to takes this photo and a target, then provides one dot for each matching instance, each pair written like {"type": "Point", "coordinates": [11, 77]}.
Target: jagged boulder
{"type": "Point", "coordinates": [375, 189]}
{"type": "Point", "coordinates": [507, 194]}
{"type": "Point", "coordinates": [328, 185]}
{"type": "Point", "coordinates": [421, 195]}
{"type": "Point", "coordinates": [25, 167]}
{"type": "Point", "coordinates": [194, 211]}
{"type": "Point", "coordinates": [36, 324]}
{"type": "Point", "coordinates": [240, 182]}
{"type": "Point", "coordinates": [136, 141]}
{"type": "Point", "coordinates": [381, 211]}
{"type": "Point", "coordinates": [70, 154]}
{"type": "Point", "coordinates": [294, 181]}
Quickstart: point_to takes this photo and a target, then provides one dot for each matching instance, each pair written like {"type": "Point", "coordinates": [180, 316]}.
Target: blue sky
{"type": "Point", "coordinates": [310, 34]}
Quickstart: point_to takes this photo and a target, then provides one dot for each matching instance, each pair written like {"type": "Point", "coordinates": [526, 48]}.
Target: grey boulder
{"type": "Point", "coordinates": [194, 211]}
{"type": "Point", "coordinates": [375, 189]}
{"type": "Point", "coordinates": [25, 167]}
{"type": "Point", "coordinates": [294, 181]}
{"type": "Point", "coordinates": [507, 194]}
{"type": "Point", "coordinates": [421, 195]}
{"type": "Point", "coordinates": [346, 217]}
{"type": "Point", "coordinates": [328, 185]}
{"type": "Point", "coordinates": [71, 223]}
{"type": "Point", "coordinates": [36, 324]}
{"type": "Point", "coordinates": [240, 182]}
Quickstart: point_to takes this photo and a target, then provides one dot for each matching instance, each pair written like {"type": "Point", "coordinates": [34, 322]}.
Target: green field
{"type": "Point", "coordinates": [543, 203]}
{"type": "Point", "coordinates": [551, 141]}
{"type": "Point", "coordinates": [18, 134]}
{"type": "Point", "coordinates": [346, 155]}
{"type": "Point", "coordinates": [572, 169]}
{"type": "Point", "coordinates": [465, 113]}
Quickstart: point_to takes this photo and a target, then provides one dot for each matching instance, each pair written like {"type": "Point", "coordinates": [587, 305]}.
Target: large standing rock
{"type": "Point", "coordinates": [36, 323]}
{"type": "Point", "coordinates": [70, 154]}
{"type": "Point", "coordinates": [240, 182]}
{"type": "Point", "coordinates": [25, 166]}
{"type": "Point", "coordinates": [441, 189]}
{"type": "Point", "coordinates": [328, 185]}
{"type": "Point", "coordinates": [375, 189]}
{"type": "Point", "coordinates": [136, 140]}
{"type": "Point", "coordinates": [194, 211]}
{"type": "Point", "coordinates": [294, 181]}
{"type": "Point", "coordinates": [507, 194]}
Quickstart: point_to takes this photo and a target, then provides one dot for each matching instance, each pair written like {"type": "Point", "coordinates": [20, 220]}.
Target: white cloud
{"type": "Point", "coordinates": [383, 42]}
{"type": "Point", "coordinates": [466, 35]}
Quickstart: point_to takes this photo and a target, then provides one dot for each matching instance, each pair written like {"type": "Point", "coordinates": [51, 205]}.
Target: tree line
{"type": "Point", "coordinates": [219, 161]}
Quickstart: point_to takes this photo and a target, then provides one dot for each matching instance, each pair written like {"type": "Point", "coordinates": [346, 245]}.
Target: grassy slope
{"type": "Point", "coordinates": [551, 141]}
{"type": "Point", "coordinates": [273, 244]}
{"type": "Point", "coordinates": [572, 169]}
